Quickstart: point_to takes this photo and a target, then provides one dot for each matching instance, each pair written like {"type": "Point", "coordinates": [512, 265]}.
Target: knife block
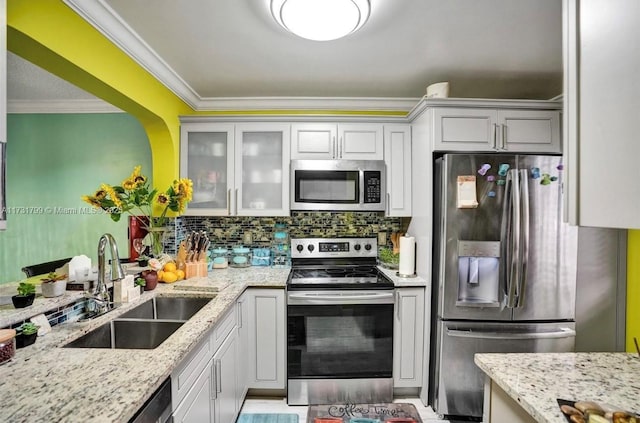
{"type": "Point", "coordinates": [195, 269]}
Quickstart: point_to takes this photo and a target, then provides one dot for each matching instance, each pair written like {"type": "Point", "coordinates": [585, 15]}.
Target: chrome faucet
{"type": "Point", "coordinates": [101, 293]}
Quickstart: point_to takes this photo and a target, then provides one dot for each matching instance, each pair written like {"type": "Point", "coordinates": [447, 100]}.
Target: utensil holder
{"type": "Point", "coordinates": [195, 269]}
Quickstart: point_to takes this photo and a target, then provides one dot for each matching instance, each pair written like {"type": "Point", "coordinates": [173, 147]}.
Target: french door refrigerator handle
{"type": "Point", "coordinates": [517, 240]}
{"type": "Point", "coordinates": [468, 333]}
{"type": "Point", "coordinates": [524, 253]}
{"type": "Point", "coordinates": [509, 237]}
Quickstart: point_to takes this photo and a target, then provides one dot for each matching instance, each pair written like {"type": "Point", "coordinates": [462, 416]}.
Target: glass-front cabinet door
{"type": "Point", "coordinates": [206, 157]}
{"type": "Point", "coordinates": [262, 152]}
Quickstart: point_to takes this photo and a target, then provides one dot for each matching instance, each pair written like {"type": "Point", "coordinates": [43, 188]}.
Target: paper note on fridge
{"type": "Point", "coordinates": [467, 192]}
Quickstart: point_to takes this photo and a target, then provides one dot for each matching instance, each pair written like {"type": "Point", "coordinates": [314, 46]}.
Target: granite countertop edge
{"type": "Point", "coordinates": [46, 382]}
{"type": "Point", "coordinates": [537, 380]}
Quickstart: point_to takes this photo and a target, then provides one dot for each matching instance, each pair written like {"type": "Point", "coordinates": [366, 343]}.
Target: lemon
{"type": "Point", "coordinates": [169, 267]}
{"type": "Point", "coordinates": [170, 277]}
{"type": "Point", "coordinates": [180, 274]}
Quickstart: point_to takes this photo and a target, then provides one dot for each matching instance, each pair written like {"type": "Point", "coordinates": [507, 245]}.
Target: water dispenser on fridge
{"type": "Point", "coordinates": [478, 274]}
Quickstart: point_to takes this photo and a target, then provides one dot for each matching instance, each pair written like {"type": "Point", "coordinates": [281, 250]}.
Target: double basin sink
{"type": "Point", "coordinates": [144, 327]}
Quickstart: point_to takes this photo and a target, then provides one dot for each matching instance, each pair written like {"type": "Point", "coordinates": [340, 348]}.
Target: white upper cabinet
{"type": "Point", "coordinates": [262, 169]}
{"type": "Point", "coordinates": [238, 169]}
{"type": "Point", "coordinates": [206, 157]}
{"type": "Point", "coordinates": [602, 104]}
{"type": "Point", "coordinates": [352, 141]}
{"type": "Point", "coordinates": [501, 130]}
{"type": "Point", "coordinates": [397, 157]}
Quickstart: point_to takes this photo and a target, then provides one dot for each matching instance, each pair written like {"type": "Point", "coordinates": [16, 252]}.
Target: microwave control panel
{"type": "Point", "coordinates": [372, 187]}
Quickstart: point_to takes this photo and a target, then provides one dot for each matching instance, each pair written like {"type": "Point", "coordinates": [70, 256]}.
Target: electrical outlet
{"type": "Point", "coordinates": [382, 238]}
{"type": "Point", "coordinates": [247, 239]}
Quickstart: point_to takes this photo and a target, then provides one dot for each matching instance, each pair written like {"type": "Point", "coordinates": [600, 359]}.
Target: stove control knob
{"type": "Point", "coordinates": [300, 247]}
{"type": "Point", "coordinates": [367, 247]}
{"type": "Point", "coordinates": [356, 247]}
{"type": "Point", "coordinates": [310, 247]}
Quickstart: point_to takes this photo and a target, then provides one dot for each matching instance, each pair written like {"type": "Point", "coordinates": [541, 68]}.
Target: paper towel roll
{"type": "Point", "coordinates": [407, 256]}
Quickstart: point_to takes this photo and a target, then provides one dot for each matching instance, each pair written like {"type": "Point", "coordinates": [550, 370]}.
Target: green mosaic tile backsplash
{"type": "Point", "coordinates": [235, 230]}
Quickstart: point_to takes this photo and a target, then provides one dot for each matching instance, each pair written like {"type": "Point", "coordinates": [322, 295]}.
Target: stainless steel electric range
{"type": "Point", "coordinates": [339, 323]}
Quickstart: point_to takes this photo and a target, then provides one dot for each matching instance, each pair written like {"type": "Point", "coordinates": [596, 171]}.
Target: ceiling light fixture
{"type": "Point", "coordinates": [321, 20]}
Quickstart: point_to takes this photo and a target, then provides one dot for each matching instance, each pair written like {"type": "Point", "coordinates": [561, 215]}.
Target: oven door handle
{"type": "Point", "coordinates": [362, 298]}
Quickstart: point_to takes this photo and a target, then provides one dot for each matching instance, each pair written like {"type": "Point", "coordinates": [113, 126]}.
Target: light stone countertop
{"type": "Point", "coordinates": [44, 382]}
{"type": "Point", "coordinates": [536, 381]}
{"type": "Point", "coordinates": [401, 282]}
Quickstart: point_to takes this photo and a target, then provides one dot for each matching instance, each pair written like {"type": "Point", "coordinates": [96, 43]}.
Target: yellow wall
{"type": "Point", "coordinates": [52, 36]}
{"type": "Point", "coordinates": [633, 289]}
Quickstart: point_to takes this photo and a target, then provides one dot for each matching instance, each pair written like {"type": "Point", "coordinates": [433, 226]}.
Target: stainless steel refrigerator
{"type": "Point", "coordinates": [504, 269]}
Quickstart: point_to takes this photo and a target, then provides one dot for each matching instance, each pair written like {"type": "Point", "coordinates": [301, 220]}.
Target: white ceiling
{"type": "Point", "coordinates": [207, 51]}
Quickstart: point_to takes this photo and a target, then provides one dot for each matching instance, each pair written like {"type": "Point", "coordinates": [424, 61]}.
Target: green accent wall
{"type": "Point", "coordinates": [52, 160]}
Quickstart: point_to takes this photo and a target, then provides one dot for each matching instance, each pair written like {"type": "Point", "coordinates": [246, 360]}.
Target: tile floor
{"type": "Point", "coordinates": [279, 405]}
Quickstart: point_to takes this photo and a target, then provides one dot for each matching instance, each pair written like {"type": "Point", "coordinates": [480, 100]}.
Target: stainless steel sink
{"type": "Point", "coordinates": [167, 308]}
{"type": "Point", "coordinates": [133, 334]}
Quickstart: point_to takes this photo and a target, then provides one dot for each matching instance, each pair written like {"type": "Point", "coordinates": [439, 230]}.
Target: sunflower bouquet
{"type": "Point", "coordinates": [136, 198]}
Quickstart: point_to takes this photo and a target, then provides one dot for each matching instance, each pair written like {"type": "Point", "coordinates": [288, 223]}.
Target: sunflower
{"type": "Point", "coordinates": [183, 188]}
{"type": "Point", "coordinates": [129, 184]}
{"type": "Point", "coordinates": [162, 199]}
{"type": "Point", "coordinates": [92, 200]}
{"type": "Point", "coordinates": [112, 195]}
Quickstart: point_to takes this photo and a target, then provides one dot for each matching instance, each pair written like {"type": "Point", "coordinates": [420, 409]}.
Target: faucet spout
{"type": "Point", "coordinates": [117, 272]}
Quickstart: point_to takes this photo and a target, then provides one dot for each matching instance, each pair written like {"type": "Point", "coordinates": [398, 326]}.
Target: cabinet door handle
{"type": "Point", "coordinates": [236, 201]}
{"type": "Point", "coordinates": [494, 136]}
{"type": "Point", "coordinates": [212, 383]}
{"type": "Point", "coordinates": [387, 206]}
{"type": "Point", "coordinates": [398, 304]}
{"type": "Point", "coordinates": [229, 202]}
{"type": "Point", "coordinates": [333, 147]}
{"type": "Point", "coordinates": [218, 366]}
{"type": "Point", "coordinates": [239, 314]}
{"type": "Point", "coordinates": [340, 147]}
{"type": "Point", "coordinates": [503, 139]}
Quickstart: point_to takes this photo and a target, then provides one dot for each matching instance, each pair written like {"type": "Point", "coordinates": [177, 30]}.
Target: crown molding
{"type": "Point", "coordinates": [102, 17]}
{"type": "Point", "coordinates": [307, 103]}
{"type": "Point", "coordinates": [60, 106]}
{"type": "Point", "coordinates": [425, 103]}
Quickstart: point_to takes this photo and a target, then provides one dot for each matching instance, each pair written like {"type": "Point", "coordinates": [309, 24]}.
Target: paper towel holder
{"type": "Point", "coordinates": [405, 276]}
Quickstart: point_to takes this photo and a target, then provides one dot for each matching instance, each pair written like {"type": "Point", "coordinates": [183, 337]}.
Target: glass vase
{"type": "Point", "coordinates": [157, 236]}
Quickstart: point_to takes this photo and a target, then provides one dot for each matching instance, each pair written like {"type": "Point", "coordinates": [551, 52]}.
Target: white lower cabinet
{"type": "Point", "coordinates": [198, 404]}
{"type": "Point", "coordinates": [266, 327]}
{"type": "Point", "coordinates": [225, 370]}
{"type": "Point", "coordinates": [205, 384]}
{"type": "Point", "coordinates": [408, 337]}
{"type": "Point", "coordinates": [243, 350]}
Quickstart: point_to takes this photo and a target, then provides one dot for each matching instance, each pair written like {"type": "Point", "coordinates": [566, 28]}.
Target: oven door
{"type": "Point", "coordinates": [340, 334]}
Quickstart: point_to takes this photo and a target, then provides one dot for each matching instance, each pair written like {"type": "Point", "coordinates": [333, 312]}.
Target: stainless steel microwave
{"type": "Point", "coordinates": [338, 185]}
